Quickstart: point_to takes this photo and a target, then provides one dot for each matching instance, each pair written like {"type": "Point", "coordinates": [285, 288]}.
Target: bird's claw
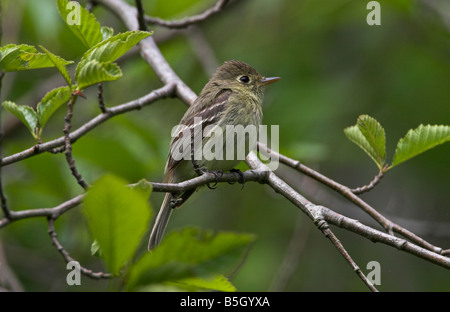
{"type": "Point", "coordinates": [241, 174]}
{"type": "Point", "coordinates": [217, 175]}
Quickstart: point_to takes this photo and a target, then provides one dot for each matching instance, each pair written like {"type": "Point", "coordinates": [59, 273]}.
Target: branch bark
{"type": "Point", "coordinates": [185, 22]}
{"type": "Point", "coordinates": [163, 92]}
{"type": "Point", "coordinates": [345, 191]}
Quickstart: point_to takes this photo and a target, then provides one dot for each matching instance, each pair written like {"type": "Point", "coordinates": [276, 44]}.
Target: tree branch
{"type": "Point", "coordinates": [101, 101]}
{"type": "Point", "coordinates": [371, 185]}
{"type": "Point", "coordinates": [165, 73]}
{"type": "Point", "coordinates": [208, 177]}
{"type": "Point", "coordinates": [140, 16]}
{"type": "Point", "coordinates": [68, 144]}
{"type": "Point", "coordinates": [390, 226]}
{"type": "Point", "coordinates": [314, 212]}
{"type": "Point", "coordinates": [317, 212]}
{"type": "Point", "coordinates": [378, 236]}
{"type": "Point", "coordinates": [163, 92]}
{"type": "Point", "coordinates": [149, 51]}
{"type": "Point", "coordinates": [65, 254]}
{"type": "Point", "coordinates": [54, 212]}
{"type": "Point", "coordinates": [337, 243]}
{"type": "Point", "coordinates": [185, 22]}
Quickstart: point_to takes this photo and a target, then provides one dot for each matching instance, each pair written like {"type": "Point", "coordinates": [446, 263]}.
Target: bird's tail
{"type": "Point", "coordinates": [161, 222]}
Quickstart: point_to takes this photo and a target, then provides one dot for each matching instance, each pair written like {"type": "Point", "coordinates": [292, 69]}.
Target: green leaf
{"type": "Point", "coordinates": [26, 114]}
{"type": "Point", "coordinates": [96, 64]}
{"type": "Point", "coordinates": [50, 103]}
{"type": "Point", "coordinates": [114, 47]}
{"type": "Point", "coordinates": [143, 185]}
{"type": "Point", "coordinates": [95, 249]}
{"type": "Point", "coordinates": [23, 57]}
{"type": "Point", "coordinates": [369, 135]}
{"type": "Point", "coordinates": [420, 140]}
{"type": "Point", "coordinates": [215, 282]}
{"type": "Point", "coordinates": [107, 32]}
{"type": "Point", "coordinates": [94, 72]}
{"type": "Point", "coordinates": [374, 134]}
{"type": "Point", "coordinates": [81, 22]}
{"type": "Point", "coordinates": [118, 216]}
{"type": "Point", "coordinates": [189, 253]}
{"type": "Point", "coordinates": [60, 64]}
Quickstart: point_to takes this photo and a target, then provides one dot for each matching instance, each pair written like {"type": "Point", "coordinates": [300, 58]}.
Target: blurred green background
{"type": "Point", "coordinates": [334, 67]}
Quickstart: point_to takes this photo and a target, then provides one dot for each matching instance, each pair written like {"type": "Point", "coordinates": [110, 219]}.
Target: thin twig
{"type": "Point", "coordinates": [54, 212]}
{"type": "Point", "coordinates": [323, 226]}
{"type": "Point", "coordinates": [163, 92]}
{"type": "Point", "coordinates": [204, 179]}
{"type": "Point", "coordinates": [387, 224]}
{"type": "Point", "coordinates": [374, 235]}
{"type": "Point", "coordinates": [150, 51]}
{"type": "Point", "coordinates": [68, 144]}
{"type": "Point", "coordinates": [314, 212]}
{"type": "Point", "coordinates": [68, 258]}
{"type": "Point", "coordinates": [101, 101]}
{"type": "Point", "coordinates": [140, 15]}
{"type": "Point", "coordinates": [371, 185]}
{"type": "Point", "coordinates": [185, 22]}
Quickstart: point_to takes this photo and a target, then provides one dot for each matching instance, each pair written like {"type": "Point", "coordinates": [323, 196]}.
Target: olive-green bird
{"type": "Point", "coordinates": [232, 97]}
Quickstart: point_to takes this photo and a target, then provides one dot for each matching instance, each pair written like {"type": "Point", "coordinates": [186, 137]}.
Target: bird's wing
{"type": "Point", "coordinates": [199, 115]}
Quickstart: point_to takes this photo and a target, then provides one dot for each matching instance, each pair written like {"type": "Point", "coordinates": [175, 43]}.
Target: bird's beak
{"type": "Point", "coordinates": [269, 80]}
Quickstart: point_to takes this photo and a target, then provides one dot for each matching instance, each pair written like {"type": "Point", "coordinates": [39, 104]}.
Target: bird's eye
{"type": "Point", "coordinates": [244, 79]}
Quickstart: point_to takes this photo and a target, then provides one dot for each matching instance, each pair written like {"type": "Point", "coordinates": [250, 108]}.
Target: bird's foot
{"type": "Point", "coordinates": [241, 174]}
{"type": "Point", "coordinates": [217, 174]}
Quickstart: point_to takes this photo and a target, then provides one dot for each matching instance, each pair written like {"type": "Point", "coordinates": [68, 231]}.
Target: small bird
{"type": "Point", "coordinates": [233, 96]}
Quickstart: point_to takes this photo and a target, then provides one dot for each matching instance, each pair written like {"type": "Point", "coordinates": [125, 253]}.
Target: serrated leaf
{"type": "Point", "coordinates": [420, 140]}
{"type": "Point", "coordinates": [355, 135]}
{"type": "Point", "coordinates": [25, 113]}
{"type": "Point", "coordinates": [96, 64]}
{"type": "Point", "coordinates": [93, 72]}
{"type": "Point", "coordinates": [117, 217]}
{"type": "Point", "coordinates": [189, 253]}
{"type": "Point", "coordinates": [375, 136]}
{"type": "Point", "coordinates": [81, 22]}
{"type": "Point", "coordinates": [50, 103]}
{"type": "Point", "coordinates": [114, 47]}
{"type": "Point", "coordinates": [215, 282]}
{"type": "Point", "coordinates": [23, 57]}
{"type": "Point", "coordinates": [60, 64]}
